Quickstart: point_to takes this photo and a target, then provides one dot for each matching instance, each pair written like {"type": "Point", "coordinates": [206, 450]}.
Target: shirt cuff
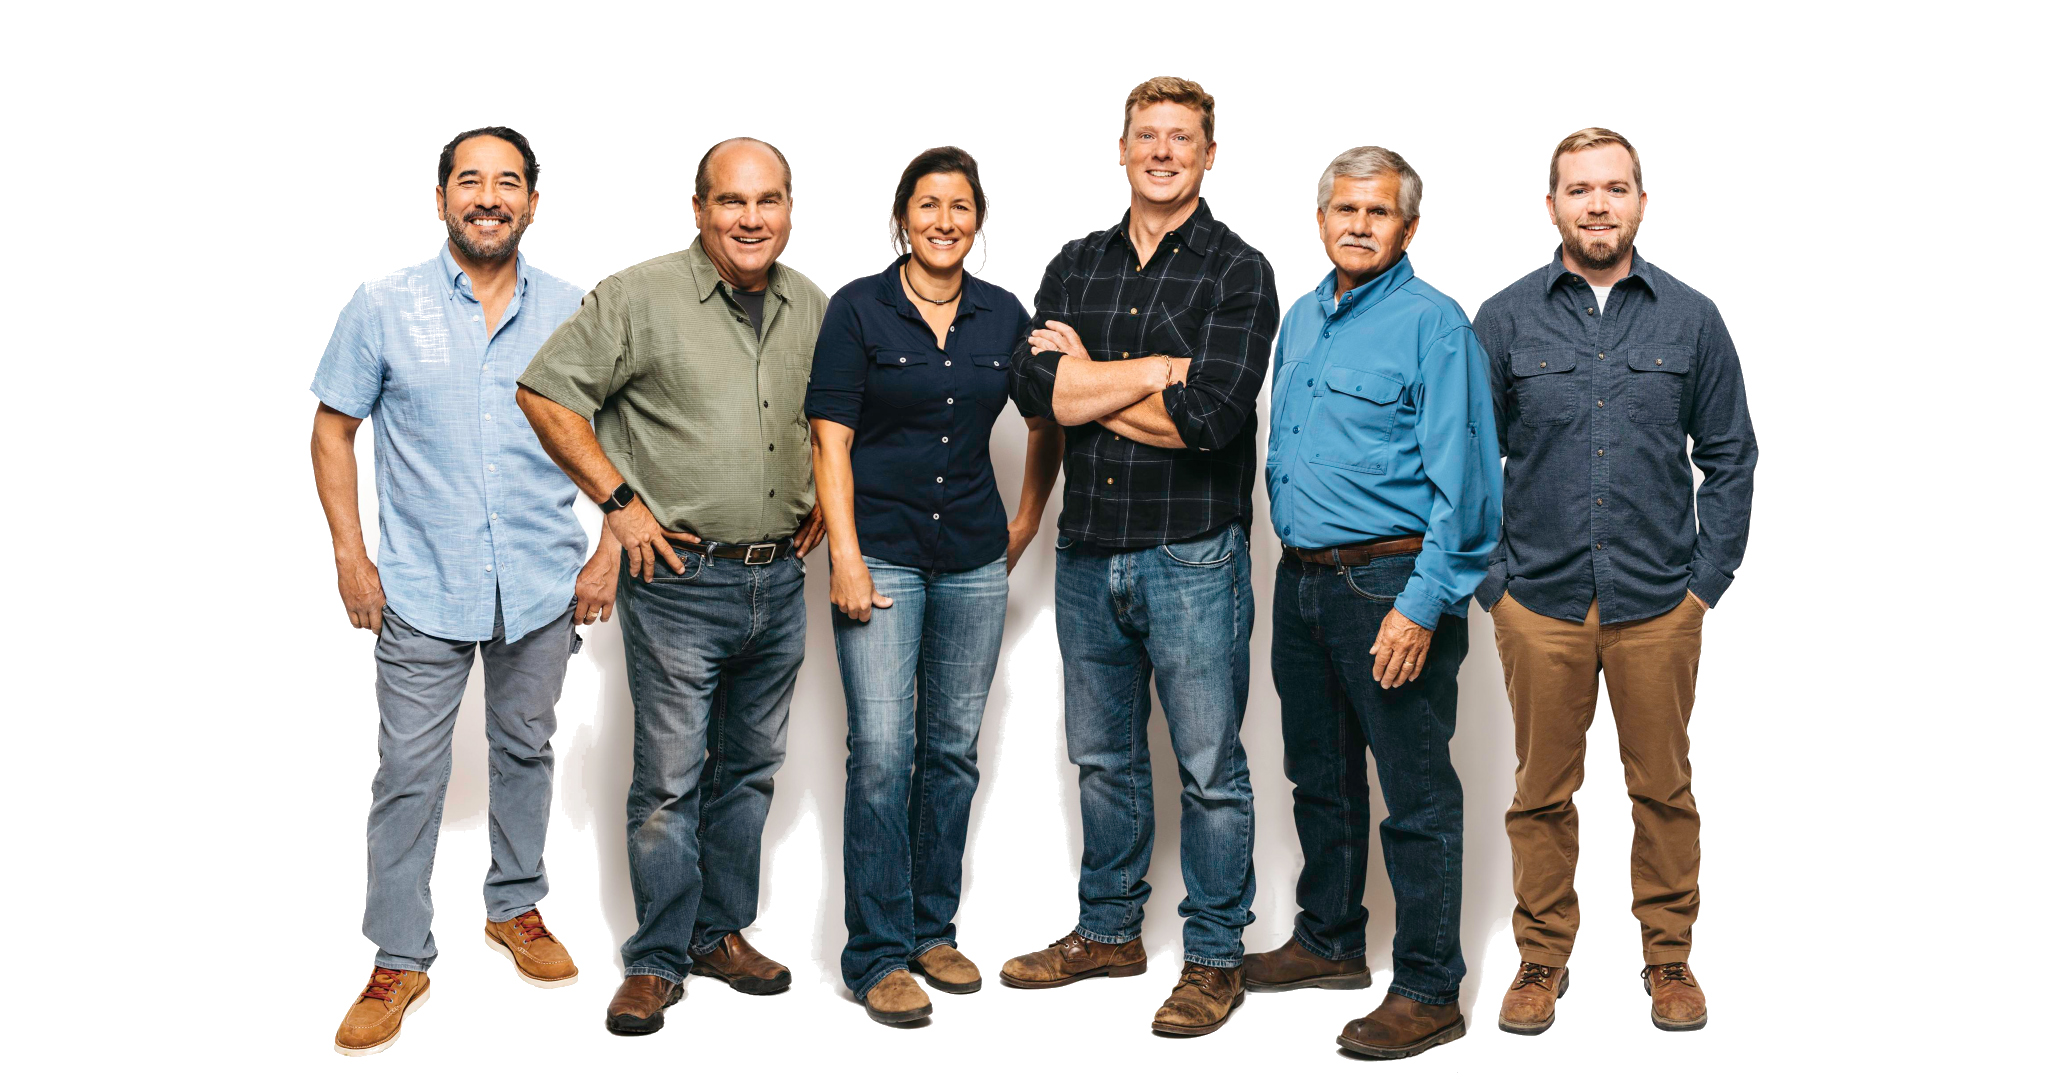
{"type": "Point", "coordinates": [1492, 586]}
{"type": "Point", "coordinates": [1708, 583]}
{"type": "Point", "coordinates": [1417, 609]}
{"type": "Point", "coordinates": [543, 384]}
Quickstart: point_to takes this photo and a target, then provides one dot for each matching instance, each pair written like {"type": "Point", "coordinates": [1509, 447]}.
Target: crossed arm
{"type": "Point", "coordinates": [1121, 395]}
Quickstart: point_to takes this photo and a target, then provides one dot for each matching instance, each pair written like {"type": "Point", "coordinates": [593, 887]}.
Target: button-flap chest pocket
{"type": "Point", "coordinates": [1544, 385]}
{"type": "Point", "coordinates": [1354, 421]}
{"type": "Point", "coordinates": [900, 376]}
{"type": "Point", "coordinates": [1659, 375]}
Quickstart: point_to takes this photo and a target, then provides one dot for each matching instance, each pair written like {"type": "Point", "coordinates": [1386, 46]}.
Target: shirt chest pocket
{"type": "Point", "coordinates": [1658, 375]}
{"type": "Point", "coordinates": [1354, 422]}
{"type": "Point", "coordinates": [988, 381]}
{"type": "Point", "coordinates": [1543, 383]}
{"type": "Point", "coordinates": [900, 377]}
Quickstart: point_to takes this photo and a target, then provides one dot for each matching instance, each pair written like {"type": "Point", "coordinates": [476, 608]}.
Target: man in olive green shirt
{"type": "Point", "coordinates": [674, 399]}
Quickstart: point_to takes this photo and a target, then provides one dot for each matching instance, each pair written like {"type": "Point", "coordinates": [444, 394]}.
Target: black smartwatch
{"type": "Point", "coordinates": [623, 497]}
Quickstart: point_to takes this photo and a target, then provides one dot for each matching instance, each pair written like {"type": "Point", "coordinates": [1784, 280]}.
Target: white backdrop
{"type": "Point", "coordinates": [197, 190]}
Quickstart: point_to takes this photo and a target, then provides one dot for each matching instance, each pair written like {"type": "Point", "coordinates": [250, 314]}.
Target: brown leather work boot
{"type": "Point", "coordinates": [947, 969]}
{"type": "Point", "coordinates": [897, 999]}
{"type": "Point", "coordinates": [1293, 967]}
{"type": "Point", "coordinates": [1677, 1001]}
{"type": "Point", "coordinates": [639, 1005]}
{"type": "Point", "coordinates": [1071, 959]}
{"type": "Point", "coordinates": [1402, 1027]}
{"type": "Point", "coordinates": [747, 970]}
{"type": "Point", "coordinates": [1533, 999]}
{"type": "Point", "coordinates": [1202, 1000]}
{"type": "Point", "coordinates": [374, 1019]}
{"type": "Point", "coordinates": [539, 957]}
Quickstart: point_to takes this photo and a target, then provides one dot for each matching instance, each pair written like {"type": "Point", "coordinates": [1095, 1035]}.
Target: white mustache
{"type": "Point", "coordinates": [1353, 241]}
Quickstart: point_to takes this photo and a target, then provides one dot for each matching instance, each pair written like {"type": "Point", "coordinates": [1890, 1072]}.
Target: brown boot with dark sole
{"type": "Point", "coordinates": [1071, 959]}
{"type": "Point", "coordinates": [1402, 1027]}
{"type": "Point", "coordinates": [1294, 967]}
{"type": "Point", "coordinates": [1532, 1002]}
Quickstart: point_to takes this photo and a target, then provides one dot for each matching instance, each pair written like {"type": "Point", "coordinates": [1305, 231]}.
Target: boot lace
{"type": "Point", "coordinates": [382, 985]}
{"type": "Point", "coordinates": [1532, 975]}
{"type": "Point", "coordinates": [1200, 976]}
{"type": "Point", "coordinates": [531, 928]}
{"type": "Point", "coordinates": [1674, 972]}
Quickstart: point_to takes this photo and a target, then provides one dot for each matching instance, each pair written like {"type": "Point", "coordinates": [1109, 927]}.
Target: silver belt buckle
{"type": "Point", "coordinates": [752, 553]}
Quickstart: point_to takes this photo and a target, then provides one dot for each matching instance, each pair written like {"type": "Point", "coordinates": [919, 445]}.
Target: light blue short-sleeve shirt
{"type": "Point", "coordinates": [471, 510]}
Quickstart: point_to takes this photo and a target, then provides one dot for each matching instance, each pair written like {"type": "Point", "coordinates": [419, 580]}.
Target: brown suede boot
{"type": "Point", "coordinates": [747, 970]}
{"type": "Point", "coordinates": [1532, 1001]}
{"type": "Point", "coordinates": [897, 999]}
{"type": "Point", "coordinates": [1202, 1000]}
{"type": "Point", "coordinates": [374, 1019]}
{"type": "Point", "coordinates": [1402, 1027]}
{"type": "Point", "coordinates": [1293, 967]}
{"type": "Point", "coordinates": [639, 1005]}
{"type": "Point", "coordinates": [1677, 1001]}
{"type": "Point", "coordinates": [947, 969]}
{"type": "Point", "coordinates": [539, 957]}
{"type": "Point", "coordinates": [1071, 959]}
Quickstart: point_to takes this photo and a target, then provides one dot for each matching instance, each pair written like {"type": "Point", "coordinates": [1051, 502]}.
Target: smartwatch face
{"type": "Point", "coordinates": [622, 497]}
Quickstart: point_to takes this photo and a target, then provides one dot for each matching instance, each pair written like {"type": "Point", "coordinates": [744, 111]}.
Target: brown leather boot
{"type": "Point", "coordinates": [539, 957]}
{"type": "Point", "coordinates": [747, 970]}
{"type": "Point", "coordinates": [1071, 959]}
{"type": "Point", "coordinates": [947, 969]}
{"type": "Point", "coordinates": [1533, 999]}
{"type": "Point", "coordinates": [1677, 1001]}
{"type": "Point", "coordinates": [897, 999]}
{"type": "Point", "coordinates": [374, 1019]}
{"type": "Point", "coordinates": [1293, 967]}
{"type": "Point", "coordinates": [639, 1005]}
{"type": "Point", "coordinates": [1202, 1000]}
{"type": "Point", "coordinates": [1402, 1027]}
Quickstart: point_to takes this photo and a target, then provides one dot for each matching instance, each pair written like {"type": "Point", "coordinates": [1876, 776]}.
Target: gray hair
{"type": "Point", "coordinates": [1365, 163]}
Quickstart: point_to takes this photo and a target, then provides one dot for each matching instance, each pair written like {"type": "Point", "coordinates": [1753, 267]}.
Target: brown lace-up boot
{"type": "Point", "coordinates": [540, 959]}
{"type": "Point", "coordinates": [1202, 1000]}
{"type": "Point", "coordinates": [947, 969]}
{"type": "Point", "coordinates": [1071, 959]}
{"type": "Point", "coordinates": [374, 1019]}
{"type": "Point", "coordinates": [1533, 999]}
{"type": "Point", "coordinates": [1293, 966]}
{"type": "Point", "coordinates": [1402, 1027]}
{"type": "Point", "coordinates": [1677, 1001]}
{"type": "Point", "coordinates": [747, 970]}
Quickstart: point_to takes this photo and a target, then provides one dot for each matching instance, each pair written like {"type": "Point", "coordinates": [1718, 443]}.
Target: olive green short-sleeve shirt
{"type": "Point", "coordinates": [702, 416]}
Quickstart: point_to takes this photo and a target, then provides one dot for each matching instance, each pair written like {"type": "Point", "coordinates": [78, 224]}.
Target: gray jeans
{"type": "Point", "coordinates": [421, 682]}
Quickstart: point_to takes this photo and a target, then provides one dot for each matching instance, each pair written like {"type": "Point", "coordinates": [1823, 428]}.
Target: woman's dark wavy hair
{"type": "Point", "coordinates": [508, 134]}
{"type": "Point", "coordinates": [937, 159]}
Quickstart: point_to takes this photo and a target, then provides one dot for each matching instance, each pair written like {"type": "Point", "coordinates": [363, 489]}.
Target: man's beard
{"type": "Point", "coordinates": [488, 252]}
{"type": "Point", "coordinates": [1589, 254]}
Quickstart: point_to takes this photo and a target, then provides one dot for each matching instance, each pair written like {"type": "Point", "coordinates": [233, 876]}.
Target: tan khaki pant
{"type": "Point", "coordinates": [1550, 666]}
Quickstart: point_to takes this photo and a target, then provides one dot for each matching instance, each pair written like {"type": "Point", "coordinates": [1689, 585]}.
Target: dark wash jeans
{"type": "Point", "coordinates": [712, 653]}
{"type": "Point", "coordinates": [1183, 610]}
{"type": "Point", "coordinates": [1332, 710]}
{"type": "Point", "coordinates": [915, 687]}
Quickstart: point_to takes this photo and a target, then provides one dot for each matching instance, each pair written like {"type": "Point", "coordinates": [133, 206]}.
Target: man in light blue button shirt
{"type": "Point", "coordinates": [478, 551]}
{"type": "Point", "coordinates": [1382, 470]}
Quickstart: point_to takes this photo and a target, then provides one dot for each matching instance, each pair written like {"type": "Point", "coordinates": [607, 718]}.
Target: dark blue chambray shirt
{"type": "Point", "coordinates": [924, 493]}
{"type": "Point", "coordinates": [1595, 409]}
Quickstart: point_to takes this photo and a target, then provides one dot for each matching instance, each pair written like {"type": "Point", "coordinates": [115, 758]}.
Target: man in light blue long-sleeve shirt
{"type": "Point", "coordinates": [1383, 471]}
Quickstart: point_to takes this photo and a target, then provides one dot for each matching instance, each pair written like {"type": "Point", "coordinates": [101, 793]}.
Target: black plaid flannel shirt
{"type": "Point", "coordinates": [1206, 295]}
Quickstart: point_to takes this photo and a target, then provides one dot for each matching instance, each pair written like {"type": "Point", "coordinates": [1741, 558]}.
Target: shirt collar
{"type": "Point", "coordinates": [1368, 293]}
{"type": "Point", "coordinates": [889, 291]}
{"type": "Point", "coordinates": [454, 275]}
{"type": "Point", "coordinates": [1641, 272]}
{"type": "Point", "coordinates": [706, 280]}
{"type": "Point", "coordinates": [1197, 232]}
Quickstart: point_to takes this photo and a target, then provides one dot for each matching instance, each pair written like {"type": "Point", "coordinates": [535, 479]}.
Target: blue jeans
{"type": "Point", "coordinates": [1183, 610]}
{"type": "Point", "coordinates": [1325, 620]}
{"type": "Point", "coordinates": [712, 653]}
{"type": "Point", "coordinates": [915, 686]}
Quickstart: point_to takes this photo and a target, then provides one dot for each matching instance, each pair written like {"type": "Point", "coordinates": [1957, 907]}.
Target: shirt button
{"type": "Point", "coordinates": [940, 479]}
{"type": "Point", "coordinates": [1298, 430]}
{"type": "Point", "coordinates": [1601, 356]}
{"type": "Point", "coordinates": [953, 330]}
{"type": "Point", "coordinates": [947, 438]}
{"type": "Point", "coordinates": [1658, 361]}
{"type": "Point", "coordinates": [1126, 356]}
{"type": "Point", "coordinates": [1133, 311]}
{"type": "Point", "coordinates": [904, 359]}
{"type": "Point", "coordinates": [934, 517]}
{"type": "Point", "coordinates": [1598, 545]}
{"type": "Point", "coordinates": [1598, 403]}
{"type": "Point", "coordinates": [486, 367]}
{"type": "Point", "coordinates": [1598, 502]}
{"type": "Point", "coordinates": [475, 318]}
{"type": "Point", "coordinates": [1111, 480]}
{"type": "Point", "coordinates": [493, 517]}
{"type": "Point", "coordinates": [768, 494]}
{"type": "Point", "coordinates": [1311, 382]}
{"type": "Point", "coordinates": [1591, 311]}
{"type": "Point", "coordinates": [1598, 453]}
{"type": "Point", "coordinates": [487, 416]}
{"type": "Point", "coordinates": [489, 468]}
{"type": "Point", "coordinates": [765, 404]}
{"type": "Point", "coordinates": [768, 446]}
{"type": "Point", "coordinates": [951, 401]}
{"type": "Point", "coordinates": [947, 363]}
{"type": "Point", "coordinates": [1541, 363]}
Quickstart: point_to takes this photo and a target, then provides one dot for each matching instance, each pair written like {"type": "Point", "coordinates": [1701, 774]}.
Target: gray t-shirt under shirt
{"type": "Point", "coordinates": [754, 308]}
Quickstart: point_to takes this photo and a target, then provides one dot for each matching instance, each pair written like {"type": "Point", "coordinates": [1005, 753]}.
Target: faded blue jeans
{"type": "Point", "coordinates": [915, 686]}
{"type": "Point", "coordinates": [713, 653]}
{"type": "Point", "coordinates": [1184, 611]}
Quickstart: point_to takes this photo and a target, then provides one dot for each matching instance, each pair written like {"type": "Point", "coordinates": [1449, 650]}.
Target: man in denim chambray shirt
{"type": "Point", "coordinates": [478, 551]}
{"type": "Point", "coordinates": [1605, 368]}
{"type": "Point", "coordinates": [1381, 469]}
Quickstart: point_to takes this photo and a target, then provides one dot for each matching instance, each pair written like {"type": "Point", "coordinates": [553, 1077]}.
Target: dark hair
{"type": "Point", "coordinates": [506, 134]}
{"type": "Point", "coordinates": [937, 159]}
{"type": "Point", "coordinates": [703, 185]}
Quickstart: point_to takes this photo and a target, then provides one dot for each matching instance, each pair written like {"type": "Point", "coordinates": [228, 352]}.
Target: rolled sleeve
{"type": "Point", "coordinates": [1032, 375]}
{"type": "Point", "coordinates": [1455, 427]}
{"type": "Point", "coordinates": [836, 382]}
{"type": "Point", "coordinates": [352, 372]}
{"type": "Point", "coordinates": [587, 359]}
{"type": "Point", "coordinates": [1211, 408]}
{"type": "Point", "coordinates": [1727, 452]}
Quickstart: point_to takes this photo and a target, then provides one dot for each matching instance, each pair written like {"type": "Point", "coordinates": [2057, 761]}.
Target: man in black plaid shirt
{"type": "Point", "coordinates": [1151, 340]}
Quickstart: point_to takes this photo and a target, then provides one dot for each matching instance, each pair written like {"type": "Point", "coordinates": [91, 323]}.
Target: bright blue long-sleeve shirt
{"type": "Point", "coordinates": [1384, 425]}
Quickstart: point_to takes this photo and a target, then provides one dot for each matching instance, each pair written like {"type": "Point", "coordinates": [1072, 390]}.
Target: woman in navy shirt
{"type": "Point", "coordinates": [911, 371]}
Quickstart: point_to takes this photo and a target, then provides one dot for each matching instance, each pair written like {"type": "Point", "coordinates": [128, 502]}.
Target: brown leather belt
{"type": "Point", "coordinates": [1357, 554]}
{"type": "Point", "coordinates": [752, 554]}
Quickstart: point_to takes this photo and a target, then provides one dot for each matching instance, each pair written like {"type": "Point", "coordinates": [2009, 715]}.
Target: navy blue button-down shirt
{"type": "Point", "coordinates": [1383, 425]}
{"type": "Point", "coordinates": [1596, 407]}
{"type": "Point", "coordinates": [924, 492]}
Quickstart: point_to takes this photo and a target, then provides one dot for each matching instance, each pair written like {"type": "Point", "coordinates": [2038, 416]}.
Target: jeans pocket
{"type": "Point", "coordinates": [1381, 580]}
{"type": "Point", "coordinates": [1063, 542]}
{"type": "Point", "coordinates": [1215, 549]}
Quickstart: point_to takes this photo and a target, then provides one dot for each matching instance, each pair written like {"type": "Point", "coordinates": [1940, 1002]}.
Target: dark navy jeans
{"type": "Point", "coordinates": [712, 653]}
{"type": "Point", "coordinates": [1184, 611]}
{"type": "Point", "coordinates": [1325, 620]}
{"type": "Point", "coordinates": [915, 686]}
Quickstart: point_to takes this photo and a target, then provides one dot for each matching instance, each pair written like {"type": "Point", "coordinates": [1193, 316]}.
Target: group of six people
{"type": "Point", "coordinates": [677, 391]}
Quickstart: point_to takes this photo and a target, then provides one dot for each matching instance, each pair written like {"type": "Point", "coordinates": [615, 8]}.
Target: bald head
{"type": "Point", "coordinates": [704, 173]}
